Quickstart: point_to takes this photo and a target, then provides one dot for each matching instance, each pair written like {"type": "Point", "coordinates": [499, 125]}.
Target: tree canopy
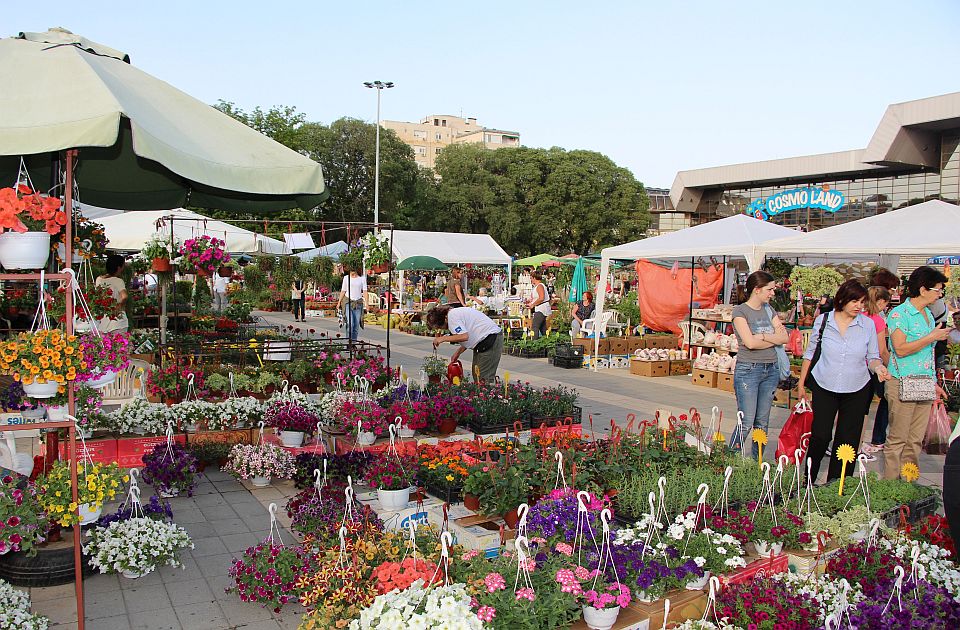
{"type": "Point", "coordinates": [530, 200]}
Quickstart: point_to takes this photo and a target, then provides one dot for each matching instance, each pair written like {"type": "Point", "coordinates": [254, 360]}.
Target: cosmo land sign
{"type": "Point", "coordinates": [794, 199]}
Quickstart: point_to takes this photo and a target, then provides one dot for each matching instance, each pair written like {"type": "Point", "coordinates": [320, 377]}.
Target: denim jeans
{"type": "Point", "coordinates": [354, 317]}
{"type": "Point", "coordinates": [755, 385]}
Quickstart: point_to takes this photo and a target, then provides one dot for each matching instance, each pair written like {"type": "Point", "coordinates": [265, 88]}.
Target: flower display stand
{"type": "Point", "coordinates": [758, 568]}
{"type": "Point", "coordinates": [130, 451]}
{"type": "Point", "coordinates": [684, 605]}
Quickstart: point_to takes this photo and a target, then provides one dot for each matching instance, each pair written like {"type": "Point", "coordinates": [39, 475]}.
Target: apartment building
{"type": "Point", "coordinates": [429, 136]}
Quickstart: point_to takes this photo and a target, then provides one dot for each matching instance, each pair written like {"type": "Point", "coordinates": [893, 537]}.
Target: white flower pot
{"type": "Point", "coordinates": [764, 548]}
{"type": "Point", "coordinates": [643, 596]}
{"type": "Point", "coordinates": [81, 325]}
{"type": "Point", "coordinates": [28, 250]}
{"type": "Point", "coordinates": [134, 575]}
{"type": "Point", "coordinates": [600, 618]}
{"type": "Point", "coordinates": [292, 438]}
{"type": "Point", "coordinates": [393, 500]}
{"type": "Point", "coordinates": [406, 432]}
{"type": "Point", "coordinates": [35, 413]}
{"type": "Point", "coordinates": [698, 583]}
{"type": "Point", "coordinates": [101, 379]}
{"type": "Point", "coordinates": [366, 438]}
{"type": "Point", "coordinates": [89, 513]}
{"type": "Point", "coordinates": [260, 482]}
{"type": "Point", "coordinates": [41, 390]}
{"type": "Point", "coordinates": [57, 413]}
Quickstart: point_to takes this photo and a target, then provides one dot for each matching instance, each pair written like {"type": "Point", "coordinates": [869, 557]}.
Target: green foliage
{"type": "Point", "coordinates": [183, 291]}
{"type": "Point", "coordinates": [202, 299]}
{"type": "Point", "coordinates": [779, 268]}
{"type": "Point", "coordinates": [320, 271]}
{"type": "Point", "coordinates": [157, 247]}
{"type": "Point", "coordinates": [352, 259]}
{"type": "Point", "coordinates": [815, 281]}
{"type": "Point", "coordinates": [254, 278]}
{"type": "Point", "coordinates": [628, 308]}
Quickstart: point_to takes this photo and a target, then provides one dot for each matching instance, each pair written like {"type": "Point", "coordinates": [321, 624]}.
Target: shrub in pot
{"type": "Point", "coordinates": [507, 488]}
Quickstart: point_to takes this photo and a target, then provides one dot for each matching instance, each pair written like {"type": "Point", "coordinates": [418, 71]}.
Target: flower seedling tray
{"type": "Point", "coordinates": [450, 493]}
{"type": "Point", "coordinates": [496, 429]}
{"type": "Point", "coordinates": [576, 414]}
{"type": "Point", "coordinates": [532, 354]}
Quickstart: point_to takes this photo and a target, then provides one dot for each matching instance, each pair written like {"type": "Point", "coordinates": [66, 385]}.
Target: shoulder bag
{"type": "Point", "coordinates": [809, 381]}
{"type": "Point", "coordinates": [917, 388]}
{"type": "Point", "coordinates": [783, 361]}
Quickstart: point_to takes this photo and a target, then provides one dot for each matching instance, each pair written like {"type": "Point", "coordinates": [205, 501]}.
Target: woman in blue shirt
{"type": "Point", "coordinates": [841, 385]}
{"type": "Point", "coordinates": [913, 336]}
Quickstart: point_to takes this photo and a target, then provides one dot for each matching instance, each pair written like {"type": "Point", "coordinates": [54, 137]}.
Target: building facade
{"type": "Point", "coordinates": [913, 156]}
{"type": "Point", "coordinates": [429, 136]}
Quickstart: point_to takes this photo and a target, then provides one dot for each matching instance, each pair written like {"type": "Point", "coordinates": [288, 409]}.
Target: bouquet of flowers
{"type": "Point", "coordinates": [271, 575]}
{"type": "Point", "coordinates": [320, 519]}
{"type": "Point", "coordinates": [136, 546]}
{"type": "Point", "coordinates": [41, 357]}
{"type": "Point", "coordinates": [22, 521]}
{"type": "Point", "coordinates": [15, 610]}
{"type": "Point", "coordinates": [193, 414]}
{"type": "Point", "coordinates": [96, 483]}
{"type": "Point", "coordinates": [27, 211]}
{"type": "Point", "coordinates": [170, 469]}
{"type": "Point", "coordinates": [420, 606]}
{"type": "Point", "coordinates": [387, 473]}
{"type": "Point", "coordinates": [202, 254]}
{"type": "Point", "coordinates": [259, 460]}
{"type": "Point", "coordinates": [106, 352]}
{"type": "Point", "coordinates": [579, 582]}
{"type": "Point", "coordinates": [288, 415]}
{"type": "Point", "coordinates": [765, 604]}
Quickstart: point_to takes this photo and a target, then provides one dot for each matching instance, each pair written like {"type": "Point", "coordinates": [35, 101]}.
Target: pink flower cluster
{"type": "Point", "coordinates": [487, 613]}
{"type": "Point", "coordinates": [107, 352]}
{"type": "Point", "coordinates": [569, 582]}
{"type": "Point", "coordinates": [494, 582]}
{"type": "Point", "coordinates": [204, 253]}
{"type": "Point", "coordinates": [526, 593]}
{"type": "Point", "coordinates": [606, 598]}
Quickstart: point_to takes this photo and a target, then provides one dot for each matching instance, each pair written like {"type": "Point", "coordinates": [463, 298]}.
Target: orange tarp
{"type": "Point", "coordinates": [665, 299]}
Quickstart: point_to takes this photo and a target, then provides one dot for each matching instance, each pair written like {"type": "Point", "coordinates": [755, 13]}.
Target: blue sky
{"type": "Point", "coordinates": [657, 86]}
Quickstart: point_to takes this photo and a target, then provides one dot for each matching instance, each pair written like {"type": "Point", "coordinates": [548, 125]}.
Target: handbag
{"type": "Point", "coordinates": [937, 439]}
{"type": "Point", "coordinates": [918, 388]}
{"type": "Point", "coordinates": [809, 381]}
{"type": "Point", "coordinates": [795, 434]}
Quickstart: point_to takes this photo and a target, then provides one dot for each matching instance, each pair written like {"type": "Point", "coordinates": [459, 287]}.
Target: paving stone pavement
{"type": "Point", "coordinates": [224, 516]}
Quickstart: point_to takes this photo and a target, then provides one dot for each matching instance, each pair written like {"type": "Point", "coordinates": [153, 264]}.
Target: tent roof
{"type": "Point", "coordinates": [739, 235]}
{"type": "Point", "coordinates": [535, 261]}
{"type": "Point", "coordinates": [333, 250]}
{"type": "Point", "coordinates": [131, 230]}
{"type": "Point", "coordinates": [925, 228]}
{"type": "Point", "coordinates": [449, 247]}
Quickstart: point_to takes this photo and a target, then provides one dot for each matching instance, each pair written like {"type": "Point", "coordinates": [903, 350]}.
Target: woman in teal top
{"type": "Point", "coordinates": [912, 337]}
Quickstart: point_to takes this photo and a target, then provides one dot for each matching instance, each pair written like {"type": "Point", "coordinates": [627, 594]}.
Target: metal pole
{"type": "Point", "coordinates": [376, 173]}
{"type": "Point", "coordinates": [690, 317]}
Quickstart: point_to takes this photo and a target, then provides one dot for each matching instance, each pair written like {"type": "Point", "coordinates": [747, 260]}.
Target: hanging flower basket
{"type": "Point", "coordinates": [160, 265]}
{"type": "Point", "coordinates": [203, 256]}
{"type": "Point", "coordinates": [27, 250]}
{"type": "Point", "coordinates": [43, 357]}
{"type": "Point", "coordinates": [28, 220]}
{"type": "Point", "coordinates": [41, 390]}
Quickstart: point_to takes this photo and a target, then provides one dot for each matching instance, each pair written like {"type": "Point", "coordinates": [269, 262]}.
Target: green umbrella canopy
{"type": "Point", "coordinates": [143, 144]}
{"type": "Point", "coordinates": [578, 284]}
{"type": "Point", "coordinates": [421, 263]}
{"type": "Point", "coordinates": [535, 261]}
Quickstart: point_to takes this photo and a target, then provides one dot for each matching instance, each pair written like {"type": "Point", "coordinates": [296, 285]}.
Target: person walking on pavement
{"type": "Point", "coordinates": [540, 303]}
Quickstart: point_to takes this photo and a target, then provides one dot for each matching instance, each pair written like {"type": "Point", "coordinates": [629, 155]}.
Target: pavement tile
{"type": "Point", "coordinates": [238, 543]}
{"type": "Point", "coordinates": [202, 616]}
{"type": "Point", "coordinates": [238, 496]}
{"type": "Point", "coordinates": [224, 526]}
{"type": "Point", "coordinates": [100, 605]}
{"type": "Point", "coordinates": [145, 598]}
{"type": "Point", "coordinates": [188, 515]}
{"type": "Point", "coordinates": [189, 571]}
{"type": "Point", "coordinates": [100, 583]}
{"type": "Point", "coordinates": [151, 579]}
{"type": "Point", "coordinates": [219, 584]}
{"type": "Point", "coordinates": [208, 547]}
{"type": "Point", "coordinates": [249, 509]}
{"type": "Point", "coordinates": [59, 611]}
{"type": "Point", "coordinates": [219, 564]}
{"type": "Point", "coordinates": [189, 592]}
{"type": "Point", "coordinates": [202, 529]}
{"type": "Point", "coordinates": [52, 592]}
{"type": "Point", "coordinates": [160, 619]}
{"type": "Point", "coordinates": [264, 624]}
{"type": "Point", "coordinates": [118, 622]}
{"type": "Point", "coordinates": [218, 512]}
{"type": "Point", "coordinates": [241, 613]}
{"type": "Point", "coordinates": [209, 500]}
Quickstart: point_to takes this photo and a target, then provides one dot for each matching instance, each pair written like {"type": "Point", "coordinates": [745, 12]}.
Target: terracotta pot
{"type": "Point", "coordinates": [160, 264]}
{"type": "Point", "coordinates": [471, 502]}
{"type": "Point", "coordinates": [380, 268]}
{"type": "Point", "coordinates": [170, 401]}
{"type": "Point", "coordinates": [434, 378]}
{"type": "Point", "coordinates": [224, 271]}
{"type": "Point", "coordinates": [203, 273]}
{"type": "Point", "coordinates": [511, 518]}
{"type": "Point", "coordinates": [447, 426]}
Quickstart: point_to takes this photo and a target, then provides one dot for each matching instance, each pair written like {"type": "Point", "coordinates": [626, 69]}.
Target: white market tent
{"type": "Point", "coordinates": [333, 250]}
{"type": "Point", "coordinates": [928, 227]}
{"type": "Point", "coordinates": [452, 248]}
{"type": "Point", "coordinates": [130, 231]}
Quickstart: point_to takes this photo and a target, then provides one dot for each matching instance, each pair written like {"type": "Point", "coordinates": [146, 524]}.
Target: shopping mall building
{"type": "Point", "coordinates": [913, 156]}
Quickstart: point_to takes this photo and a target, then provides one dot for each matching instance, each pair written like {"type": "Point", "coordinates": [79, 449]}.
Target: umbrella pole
{"type": "Point", "coordinates": [389, 292]}
{"type": "Point", "coordinates": [690, 316]}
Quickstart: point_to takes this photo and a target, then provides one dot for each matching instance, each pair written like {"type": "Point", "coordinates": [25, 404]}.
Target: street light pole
{"type": "Point", "coordinates": [379, 86]}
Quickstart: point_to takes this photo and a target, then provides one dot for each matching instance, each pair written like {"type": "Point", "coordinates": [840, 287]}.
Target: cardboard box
{"type": "Point", "coordinates": [668, 342]}
{"type": "Point", "coordinates": [649, 368]}
{"type": "Point", "coordinates": [100, 451]}
{"type": "Point", "coordinates": [684, 605]}
{"type": "Point", "coordinates": [586, 344]}
{"type": "Point", "coordinates": [472, 530]}
{"type": "Point", "coordinates": [635, 343]}
{"type": "Point", "coordinates": [416, 511]}
{"type": "Point", "coordinates": [130, 451]}
{"type": "Point", "coordinates": [462, 434]}
{"type": "Point", "coordinates": [704, 378]}
{"type": "Point", "coordinates": [758, 568]}
{"type": "Point", "coordinates": [725, 381]}
{"type": "Point", "coordinates": [617, 345]}
{"type": "Point", "coordinates": [16, 418]}
{"type": "Point", "coordinates": [681, 367]}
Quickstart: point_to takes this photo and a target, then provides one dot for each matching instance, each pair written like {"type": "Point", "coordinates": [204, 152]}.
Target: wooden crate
{"type": "Point", "coordinates": [725, 381]}
{"type": "Point", "coordinates": [704, 378]}
{"type": "Point", "coordinates": [680, 368]}
{"type": "Point", "coordinates": [649, 368]}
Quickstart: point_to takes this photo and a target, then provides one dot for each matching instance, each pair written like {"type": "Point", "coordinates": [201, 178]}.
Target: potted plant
{"type": "Point", "coordinates": [42, 361]}
{"type": "Point", "coordinates": [392, 478]}
{"type": "Point", "coordinates": [506, 489]}
{"type": "Point", "coordinates": [170, 469]}
{"type": "Point", "coordinates": [409, 416]}
{"type": "Point", "coordinates": [272, 575]}
{"type": "Point", "coordinates": [24, 521]}
{"type": "Point", "coordinates": [55, 407]}
{"type": "Point", "coordinates": [169, 384]}
{"type": "Point", "coordinates": [202, 255]}
{"type": "Point", "coordinates": [96, 483]}
{"type": "Point", "coordinates": [365, 420]}
{"type": "Point", "coordinates": [244, 411]}
{"type": "Point", "coordinates": [434, 367]}
{"type": "Point", "coordinates": [88, 402]}
{"type": "Point", "coordinates": [377, 246]}
{"type": "Point", "coordinates": [421, 605]}
{"type": "Point", "coordinates": [259, 463]}
{"type": "Point", "coordinates": [292, 421]}
{"type": "Point", "coordinates": [155, 509]}
{"type": "Point", "coordinates": [105, 354]}
{"type": "Point", "coordinates": [15, 605]}
{"type": "Point", "coordinates": [27, 222]}
{"type": "Point", "coordinates": [474, 485]}
{"type": "Point", "coordinates": [135, 547]}
{"type": "Point", "coordinates": [141, 416]}
{"type": "Point", "coordinates": [600, 597]}
{"type": "Point", "coordinates": [813, 283]}
{"type": "Point", "coordinates": [207, 453]}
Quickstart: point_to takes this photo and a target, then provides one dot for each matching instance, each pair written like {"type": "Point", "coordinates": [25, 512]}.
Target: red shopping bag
{"type": "Point", "coordinates": [937, 439]}
{"type": "Point", "coordinates": [795, 343]}
{"type": "Point", "coordinates": [796, 432]}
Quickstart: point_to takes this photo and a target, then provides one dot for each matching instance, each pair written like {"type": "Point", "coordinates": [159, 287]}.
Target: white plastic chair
{"type": "Point", "coordinates": [10, 458]}
{"type": "Point", "coordinates": [685, 330]}
{"type": "Point", "coordinates": [591, 325]}
{"type": "Point", "coordinates": [125, 388]}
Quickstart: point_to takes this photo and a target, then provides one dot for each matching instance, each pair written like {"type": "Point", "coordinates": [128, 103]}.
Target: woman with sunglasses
{"type": "Point", "coordinates": [913, 335]}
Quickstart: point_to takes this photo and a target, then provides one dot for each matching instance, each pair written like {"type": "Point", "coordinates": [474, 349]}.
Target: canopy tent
{"type": "Point", "coordinates": [144, 145]}
{"type": "Point", "coordinates": [130, 231]}
{"type": "Point", "coordinates": [737, 236]}
{"type": "Point", "coordinates": [535, 261]}
{"type": "Point", "coordinates": [924, 228]}
{"type": "Point", "coordinates": [333, 250]}
{"type": "Point", "coordinates": [451, 248]}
